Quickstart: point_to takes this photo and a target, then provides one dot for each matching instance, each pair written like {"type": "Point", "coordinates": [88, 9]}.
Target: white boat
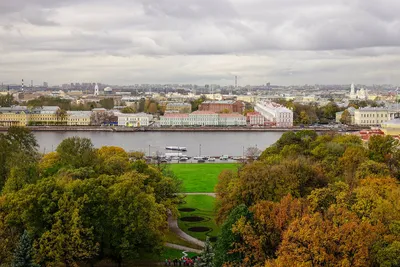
{"type": "Point", "coordinates": [178, 148]}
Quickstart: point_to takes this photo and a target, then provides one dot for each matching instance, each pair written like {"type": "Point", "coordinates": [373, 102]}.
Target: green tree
{"type": "Point", "coordinates": [128, 110]}
{"type": "Point", "coordinates": [6, 100]}
{"type": "Point", "coordinates": [381, 148]}
{"type": "Point", "coordinates": [76, 152]}
{"type": "Point", "coordinates": [107, 103]}
{"type": "Point", "coordinates": [23, 252]}
{"type": "Point", "coordinates": [206, 257]}
{"type": "Point", "coordinates": [346, 117]}
{"type": "Point", "coordinates": [227, 238]}
{"type": "Point", "coordinates": [68, 241]}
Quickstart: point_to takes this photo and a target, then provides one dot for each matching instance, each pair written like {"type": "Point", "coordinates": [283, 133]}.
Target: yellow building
{"type": "Point", "coordinates": [78, 118]}
{"type": "Point", "coordinates": [13, 119]}
{"type": "Point", "coordinates": [391, 127]}
{"type": "Point", "coordinates": [13, 116]}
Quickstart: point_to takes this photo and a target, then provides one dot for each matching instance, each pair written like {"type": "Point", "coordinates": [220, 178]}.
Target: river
{"type": "Point", "coordinates": [204, 143]}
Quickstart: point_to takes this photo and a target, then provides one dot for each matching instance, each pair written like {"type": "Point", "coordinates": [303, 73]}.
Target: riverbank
{"type": "Point", "coordinates": [174, 129]}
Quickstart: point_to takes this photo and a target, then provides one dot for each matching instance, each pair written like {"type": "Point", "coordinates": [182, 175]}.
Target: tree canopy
{"type": "Point", "coordinates": [81, 204]}
{"type": "Point", "coordinates": [313, 200]}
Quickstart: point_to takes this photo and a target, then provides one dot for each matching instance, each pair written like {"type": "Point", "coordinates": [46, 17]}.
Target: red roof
{"type": "Point", "coordinates": [253, 113]}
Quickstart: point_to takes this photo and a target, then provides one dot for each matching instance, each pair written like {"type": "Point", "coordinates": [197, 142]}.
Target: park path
{"type": "Point", "coordinates": [183, 248]}
{"type": "Point", "coordinates": [173, 226]}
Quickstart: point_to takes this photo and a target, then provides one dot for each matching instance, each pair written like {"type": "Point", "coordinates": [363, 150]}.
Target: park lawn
{"type": "Point", "coordinates": [205, 207]}
{"type": "Point", "coordinates": [200, 177]}
{"type": "Point", "coordinates": [173, 238]}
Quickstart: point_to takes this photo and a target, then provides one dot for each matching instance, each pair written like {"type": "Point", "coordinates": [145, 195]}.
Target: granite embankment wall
{"type": "Point", "coordinates": [182, 129]}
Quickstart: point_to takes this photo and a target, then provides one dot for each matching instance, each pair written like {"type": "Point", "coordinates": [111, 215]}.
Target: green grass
{"type": "Point", "coordinates": [200, 177]}
{"type": "Point", "coordinates": [204, 206]}
{"type": "Point", "coordinates": [174, 239]}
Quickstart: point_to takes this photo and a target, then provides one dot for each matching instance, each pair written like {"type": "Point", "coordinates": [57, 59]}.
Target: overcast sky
{"type": "Point", "coordinates": [200, 41]}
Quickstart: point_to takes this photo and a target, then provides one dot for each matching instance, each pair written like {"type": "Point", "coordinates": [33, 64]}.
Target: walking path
{"type": "Point", "coordinates": [173, 226]}
{"type": "Point", "coordinates": [183, 248]}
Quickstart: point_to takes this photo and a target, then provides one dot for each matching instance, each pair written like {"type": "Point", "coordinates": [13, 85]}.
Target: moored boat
{"type": "Point", "coordinates": [177, 148]}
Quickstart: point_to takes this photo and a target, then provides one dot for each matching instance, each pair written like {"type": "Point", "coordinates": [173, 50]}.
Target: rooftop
{"type": "Point", "coordinates": [220, 102]}
{"type": "Point", "coordinates": [176, 115]}
{"type": "Point", "coordinates": [231, 115]}
{"type": "Point", "coordinates": [253, 113]}
{"type": "Point", "coordinates": [200, 112]}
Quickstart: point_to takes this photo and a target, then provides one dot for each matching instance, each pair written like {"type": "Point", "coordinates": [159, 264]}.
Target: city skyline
{"type": "Point", "coordinates": [200, 42]}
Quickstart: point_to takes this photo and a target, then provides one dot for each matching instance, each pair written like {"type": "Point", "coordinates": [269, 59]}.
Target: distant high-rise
{"type": "Point", "coordinates": [96, 90]}
{"type": "Point", "coordinates": [45, 84]}
{"type": "Point", "coordinates": [236, 85]}
{"type": "Point", "coordinates": [352, 89]}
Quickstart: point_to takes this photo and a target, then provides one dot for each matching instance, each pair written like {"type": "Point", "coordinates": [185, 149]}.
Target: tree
{"type": "Point", "coordinates": [107, 103]}
{"type": "Point", "coordinates": [346, 117]}
{"type": "Point", "coordinates": [382, 147]}
{"type": "Point", "coordinates": [206, 258]}
{"type": "Point", "coordinates": [337, 239]}
{"type": "Point", "coordinates": [350, 161]}
{"type": "Point", "coordinates": [18, 152]}
{"type": "Point", "coordinates": [68, 241]}
{"type": "Point", "coordinates": [113, 160]}
{"type": "Point", "coordinates": [152, 108]}
{"type": "Point", "coordinates": [61, 115]}
{"type": "Point", "coordinates": [6, 100]}
{"type": "Point", "coordinates": [128, 110]}
{"type": "Point", "coordinates": [224, 245]}
{"type": "Point", "coordinates": [261, 237]}
{"type": "Point", "coordinates": [23, 252]}
{"type": "Point", "coordinates": [76, 152]}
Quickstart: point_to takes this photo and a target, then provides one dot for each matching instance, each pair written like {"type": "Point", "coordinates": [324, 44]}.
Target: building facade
{"type": "Point", "coordinates": [373, 116]}
{"type": "Point", "coordinates": [203, 118]}
{"type": "Point", "coordinates": [78, 118]}
{"type": "Point", "coordinates": [178, 107]}
{"type": "Point", "coordinates": [255, 118]}
{"type": "Point", "coordinates": [134, 119]}
{"type": "Point", "coordinates": [276, 113]}
{"type": "Point", "coordinates": [231, 119]}
{"type": "Point", "coordinates": [230, 106]}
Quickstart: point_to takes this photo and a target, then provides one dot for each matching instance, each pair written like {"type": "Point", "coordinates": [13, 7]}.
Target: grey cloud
{"type": "Point", "coordinates": [319, 36]}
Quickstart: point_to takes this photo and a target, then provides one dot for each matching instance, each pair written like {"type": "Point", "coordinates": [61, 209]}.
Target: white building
{"type": "Point", "coordinates": [134, 119]}
{"type": "Point", "coordinates": [231, 119]}
{"type": "Point", "coordinates": [273, 112]}
{"type": "Point", "coordinates": [96, 90]}
{"type": "Point", "coordinates": [202, 118]}
{"type": "Point", "coordinates": [361, 94]}
{"type": "Point", "coordinates": [373, 116]}
{"type": "Point", "coordinates": [175, 119]}
{"type": "Point", "coordinates": [255, 118]}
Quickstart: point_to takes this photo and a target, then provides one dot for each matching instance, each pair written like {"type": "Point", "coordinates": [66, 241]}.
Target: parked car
{"type": "Point", "coordinates": [211, 159]}
{"type": "Point", "coordinates": [201, 161]}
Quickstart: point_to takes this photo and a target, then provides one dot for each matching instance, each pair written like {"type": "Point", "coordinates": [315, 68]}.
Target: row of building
{"type": "Point", "coordinates": [224, 113]}
{"type": "Point", "coordinates": [369, 116]}
{"type": "Point", "coordinates": [203, 118]}
{"type": "Point", "coordinates": [52, 115]}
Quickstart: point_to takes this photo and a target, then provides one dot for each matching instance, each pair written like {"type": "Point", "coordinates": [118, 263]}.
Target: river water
{"type": "Point", "coordinates": [204, 143]}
